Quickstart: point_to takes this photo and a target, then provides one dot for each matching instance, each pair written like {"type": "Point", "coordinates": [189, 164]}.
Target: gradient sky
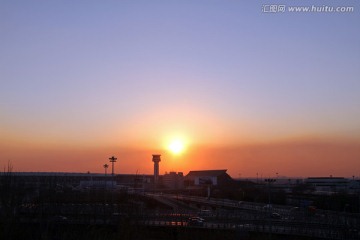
{"type": "Point", "coordinates": [251, 92]}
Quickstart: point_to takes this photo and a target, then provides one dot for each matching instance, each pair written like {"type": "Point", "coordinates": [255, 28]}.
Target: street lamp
{"type": "Point", "coordinates": [106, 167]}
{"type": "Point", "coordinates": [269, 181]}
{"type": "Point", "coordinates": [112, 160]}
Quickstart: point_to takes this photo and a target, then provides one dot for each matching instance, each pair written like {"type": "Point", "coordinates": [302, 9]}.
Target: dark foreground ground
{"type": "Point", "coordinates": [125, 231]}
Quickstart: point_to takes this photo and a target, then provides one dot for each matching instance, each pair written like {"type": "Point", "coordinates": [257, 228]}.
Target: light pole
{"type": "Point", "coordinates": [112, 160]}
{"type": "Point", "coordinates": [269, 181]}
{"type": "Point", "coordinates": [106, 167]}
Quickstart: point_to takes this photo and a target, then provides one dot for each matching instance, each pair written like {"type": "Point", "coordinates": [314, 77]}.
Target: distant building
{"type": "Point", "coordinates": [354, 186]}
{"type": "Point", "coordinates": [79, 180]}
{"type": "Point", "coordinates": [207, 177]}
{"type": "Point", "coordinates": [173, 180]}
{"type": "Point", "coordinates": [102, 184]}
{"type": "Point", "coordinates": [284, 184]}
{"type": "Point", "coordinates": [328, 184]}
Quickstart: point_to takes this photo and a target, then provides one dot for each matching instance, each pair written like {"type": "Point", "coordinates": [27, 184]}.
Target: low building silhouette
{"type": "Point", "coordinates": [173, 180]}
{"type": "Point", "coordinates": [207, 177]}
{"type": "Point", "coordinates": [328, 184]}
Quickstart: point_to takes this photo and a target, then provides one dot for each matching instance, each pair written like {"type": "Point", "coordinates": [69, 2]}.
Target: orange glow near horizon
{"type": "Point", "coordinates": [292, 159]}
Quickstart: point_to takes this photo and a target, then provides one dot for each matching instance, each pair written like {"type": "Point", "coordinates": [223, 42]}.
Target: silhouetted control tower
{"type": "Point", "coordinates": [156, 159]}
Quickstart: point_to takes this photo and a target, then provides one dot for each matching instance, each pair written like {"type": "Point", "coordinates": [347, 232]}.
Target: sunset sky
{"type": "Point", "coordinates": [243, 90]}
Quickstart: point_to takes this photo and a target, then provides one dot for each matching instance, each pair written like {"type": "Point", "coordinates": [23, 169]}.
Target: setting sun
{"type": "Point", "coordinates": [176, 146]}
